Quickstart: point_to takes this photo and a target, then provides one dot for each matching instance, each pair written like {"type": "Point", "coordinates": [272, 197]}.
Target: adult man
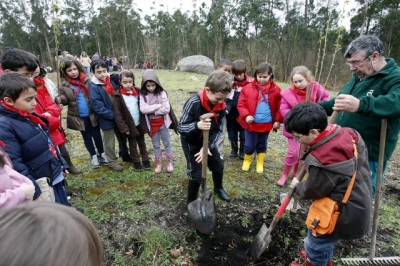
{"type": "Point", "coordinates": [372, 94]}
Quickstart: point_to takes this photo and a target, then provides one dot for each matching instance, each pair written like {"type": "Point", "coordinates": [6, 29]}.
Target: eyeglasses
{"type": "Point", "coordinates": [357, 62]}
{"type": "Point", "coordinates": [297, 138]}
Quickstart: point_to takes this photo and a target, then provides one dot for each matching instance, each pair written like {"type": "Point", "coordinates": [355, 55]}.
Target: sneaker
{"type": "Point", "coordinates": [117, 168]}
{"type": "Point", "coordinates": [103, 159]}
{"type": "Point", "coordinates": [138, 166]}
{"type": "Point", "coordinates": [95, 161]}
{"type": "Point", "coordinates": [147, 165]}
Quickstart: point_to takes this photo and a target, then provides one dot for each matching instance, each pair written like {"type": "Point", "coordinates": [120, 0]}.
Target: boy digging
{"type": "Point", "coordinates": [209, 100]}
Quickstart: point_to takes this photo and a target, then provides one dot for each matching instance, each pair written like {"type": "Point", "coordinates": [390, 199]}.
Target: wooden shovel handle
{"type": "Point", "coordinates": [206, 135]}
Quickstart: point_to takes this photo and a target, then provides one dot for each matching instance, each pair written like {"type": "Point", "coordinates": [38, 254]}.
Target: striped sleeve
{"type": "Point", "coordinates": [188, 123]}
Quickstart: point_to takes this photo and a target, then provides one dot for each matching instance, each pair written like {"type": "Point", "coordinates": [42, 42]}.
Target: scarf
{"type": "Point", "coordinates": [206, 104]}
{"type": "Point", "coordinates": [33, 118]}
{"type": "Point", "coordinates": [263, 89]}
{"type": "Point", "coordinates": [302, 93]}
{"type": "Point", "coordinates": [80, 82]}
{"type": "Point", "coordinates": [238, 84]}
{"type": "Point", "coordinates": [108, 87]}
{"type": "Point", "coordinates": [328, 130]}
{"type": "Point", "coordinates": [39, 82]}
{"type": "Point", "coordinates": [132, 92]}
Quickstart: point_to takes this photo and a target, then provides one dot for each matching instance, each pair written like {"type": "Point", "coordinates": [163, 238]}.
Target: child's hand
{"type": "Point", "coordinates": [204, 124]}
{"type": "Point", "coordinates": [249, 119]}
{"type": "Point", "coordinates": [276, 126]}
{"type": "Point", "coordinates": [57, 100]}
{"type": "Point", "coordinates": [294, 183]}
{"type": "Point", "coordinates": [199, 155]}
{"type": "Point", "coordinates": [28, 190]}
{"type": "Point", "coordinates": [65, 173]}
{"type": "Point", "coordinates": [159, 106]}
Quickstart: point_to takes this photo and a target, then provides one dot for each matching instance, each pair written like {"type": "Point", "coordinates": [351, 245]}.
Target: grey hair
{"type": "Point", "coordinates": [366, 43]}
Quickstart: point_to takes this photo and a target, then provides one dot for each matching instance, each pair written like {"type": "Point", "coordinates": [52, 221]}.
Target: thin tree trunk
{"type": "Point", "coordinates": [362, 31]}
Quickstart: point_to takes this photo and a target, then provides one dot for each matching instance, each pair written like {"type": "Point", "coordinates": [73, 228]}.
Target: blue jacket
{"type": "Point", "coordinates": [27, 145]}
{"type": "Point", "coordinates": [101, 104]}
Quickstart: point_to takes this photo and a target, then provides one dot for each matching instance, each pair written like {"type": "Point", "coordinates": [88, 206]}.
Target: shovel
{"type": "Point", "coordinates": [263, 237]}
{"type": "Point", "coordinates": [202, 210]}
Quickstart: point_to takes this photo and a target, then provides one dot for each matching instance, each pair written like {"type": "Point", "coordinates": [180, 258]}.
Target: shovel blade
{"type": "Point", "coordinates": [202, 212]}
{"type": "Point", "coordinates": [260, 243]}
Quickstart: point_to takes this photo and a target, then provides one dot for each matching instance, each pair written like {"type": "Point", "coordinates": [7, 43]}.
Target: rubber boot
{"type": "Point", "coordinates": [72, 169]}
{"type": "Point", "coordinates": [218, 188]}
{"type": "Point", "coordinates": [285, 174]}
{"type": "Point", "coordinates": [295, 170]}
{"type": "Point", "coordinates": [260, 162]}
{"type": "Point", "coordinates": [246, 162]}
{"type": "Point", "coordinates": [307, 263]}
{"type": "Point", "coordinates": [234, 150]}
{"type": "Point", "coordinates": [193, 190]}
{"type": "Point", "coordinates": [241, 151]}
{"type": "Point", "coordinates": [158, 168]}
{"type": "Point", "coordinates": [170, 165]}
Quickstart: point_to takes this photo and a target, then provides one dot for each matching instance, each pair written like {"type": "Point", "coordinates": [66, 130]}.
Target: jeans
{"type": "Point", "coordinates": [255, 142]}
{"type": "Point", "coordinates": [320, 248]}
{"type": "Point", "coordinates": [374, 173]}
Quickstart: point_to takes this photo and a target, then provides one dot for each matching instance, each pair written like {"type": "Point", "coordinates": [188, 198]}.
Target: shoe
{"type": "Point", "coordinates": [72, 169]}
{"type": "Point", "coordinates": [68, 192]}
{"type": "Point", "coordinates": [285, 174]}
{"type": "Point", "coordinates": [138, 167]}
{"type": "Point", "coordinates": [117, 168]}
{"type": "Point", "coordinates": [218, 188]}
{"type": "Point", "coordinates": [246, 162]}
{"type": "Point", "coordinates": [147, 165]}
{"type": "Point", "coordinates": [260, 162]}
{"type": "Point", "coordinates": [103, 159]}
{"type": "Point", "coordinates": [307, 263]}
{"type": "Point", "coordinates": [170, 165]}
{"type": "Point", "coordinates": [95, 161]}
{"type": "Point", "coordinates": [234, 150]}
{"type": "Point", "coordinates": [126, 158]}
{"type": "Point", "coordinates": [241, 151]}
{"type": "Point", "coordinates": [222, 194]}
{"type": "Point", "coordinates": [158, 168]}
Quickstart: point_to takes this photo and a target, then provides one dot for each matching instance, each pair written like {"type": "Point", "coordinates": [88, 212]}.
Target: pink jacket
{"type": "Point", "coordinates": [10, 181]}
{"type": "Point", "coordinates": [148, 107]}
{"type": "Point", "coordinates": [290, 99]}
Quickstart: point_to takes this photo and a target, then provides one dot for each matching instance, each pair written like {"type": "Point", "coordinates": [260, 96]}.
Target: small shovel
{"type": "Point", "coordinates": [202, 210]}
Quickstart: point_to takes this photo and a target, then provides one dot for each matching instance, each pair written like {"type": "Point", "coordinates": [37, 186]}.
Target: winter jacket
{"type": "Point", "coordinates": [249, 99]}
{"type": "Point", "coordinates": [331, 163]}
{"type": "Point", "coordinates": [379, 96]}
{"type": "Point", "coordinates": [233, 98]}
{"type": "Point", "coordinates": [123, 117]}
{"type": "Point", "coordinates": [101, 104]}
{"type": "Point", "coordinates": [290, 98]}
{"type": "Point", "coordinates": [187, 126]}
{"type": "Point", "coordinates": [68, 97]}
{"type": "Point", "coordinates": [27, 145]}
{"type": "Point", "coordinates": [10, 181]}
{"type": "Point", "coordinates": [45, 105]}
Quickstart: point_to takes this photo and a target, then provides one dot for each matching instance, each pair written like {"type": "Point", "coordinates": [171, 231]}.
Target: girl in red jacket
{"type": "Point", "coordinates": [259, 113]}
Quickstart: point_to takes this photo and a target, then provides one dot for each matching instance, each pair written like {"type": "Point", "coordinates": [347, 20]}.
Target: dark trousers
{"type": "Point", "coordinates": [255, 142]}
{"type": "Point", "coordinates": [234, 129]}
{"type": "Point", "coordinates": [133, 143]}
{"type": "Point", "coordinates": [122, 143]}
{"type": "Point", "coordinates": [92, 133]}
{"type": "Point", "coordinates": [215, 163]}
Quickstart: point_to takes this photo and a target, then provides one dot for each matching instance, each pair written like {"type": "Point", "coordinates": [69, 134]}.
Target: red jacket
{"type": "Point", "coordinates": [46, 105]}
{"type": "Point", "coordinates": [249, 99]}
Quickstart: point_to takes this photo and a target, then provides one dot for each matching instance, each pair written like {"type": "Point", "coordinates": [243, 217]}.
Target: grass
{"type": "Point", "coordinates": [142, 217]}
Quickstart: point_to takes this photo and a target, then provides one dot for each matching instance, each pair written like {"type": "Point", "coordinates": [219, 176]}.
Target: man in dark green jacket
{"type": "Point", "coordinates": [372, 94]}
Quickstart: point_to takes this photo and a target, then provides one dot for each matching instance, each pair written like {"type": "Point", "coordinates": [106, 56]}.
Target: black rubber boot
{"type": "Point", "coordinates": [193, 190]}
{"type": "Point", "coordinates": [241, 151]}
{"type": "Point", "coordinates": [217, 178]}
{"type": "Point", "coordinates": [72, 169]}
{"type": "Point", "coordinates": [234, 150]}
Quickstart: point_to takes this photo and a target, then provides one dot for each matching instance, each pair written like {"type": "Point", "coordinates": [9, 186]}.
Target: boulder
{"type": "Point", "coordinates": [196, 63]}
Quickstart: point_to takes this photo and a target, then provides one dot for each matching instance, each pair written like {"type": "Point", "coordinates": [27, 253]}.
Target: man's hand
{"type": "Point", "coordinates": [199, 155]}
{"type": "Point", "coordinates": [204, 124]}
{"type": "Point", "coordinates": [346, 103]}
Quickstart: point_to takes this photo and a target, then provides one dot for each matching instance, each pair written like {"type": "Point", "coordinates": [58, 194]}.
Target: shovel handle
{"type": "Point", "coordinates": [206, 134]}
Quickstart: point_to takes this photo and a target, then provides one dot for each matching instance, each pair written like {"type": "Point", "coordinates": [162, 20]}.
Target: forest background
{"type": "Point", "coordinates": [285, 33]}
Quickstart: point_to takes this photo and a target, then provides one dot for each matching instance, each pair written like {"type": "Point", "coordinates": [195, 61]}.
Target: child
{"type": "Point", "coordinates": [258, 108]}
{"type": "Point", "coordinates": [155, 105]}
{"type": "Point", "coordinates": [53, 227]}
{"type": "Point", "coordinates": [101, 94]}
{"type": "Point", "coordinates": [26, 137]}
{"type": "Point", "coordinates": [14, 187]}
{"type": "Point", "coordinates": [330, 163]}
{"type": "Point", "coordinates": [130, 121]}
{"type": "Point", "coordinates": [46, 107]}
{"type": "Point", "coordinates": [80, 116]}
{"type": "Point", "coordinates": [300, 79]}
{"type": "Point", "coordinates": [240, 79]}
{"type": "Point", "coordinates": [208, 100]}
{"type": "Point", "coordinates": [224, 65]}
{"type": "Point", "coordinates": [16, 60]}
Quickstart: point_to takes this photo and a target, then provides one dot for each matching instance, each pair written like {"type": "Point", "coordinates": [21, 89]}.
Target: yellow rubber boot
{"type": "Point", "coordinates": [260, 162]}
{"type": "Point", "coordinates": [246, 162]}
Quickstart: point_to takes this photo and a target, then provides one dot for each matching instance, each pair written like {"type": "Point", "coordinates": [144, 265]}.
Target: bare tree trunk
{"type": "Point", "coordinates": [306, 29]}
{"type": "Point", "coordinates": [111, 38]}
{"type": "Point", "coordinates": [362, 31]}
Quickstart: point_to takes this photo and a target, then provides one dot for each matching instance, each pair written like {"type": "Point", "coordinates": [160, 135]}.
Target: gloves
{"type": "Point", "coordinates": [294, 183]}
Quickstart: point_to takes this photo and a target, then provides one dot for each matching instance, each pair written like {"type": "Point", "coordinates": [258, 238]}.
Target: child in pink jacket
{"type": "Point", "coordinates": [300, 79]}
{"type": "Point", "coordinates": [14, 187]}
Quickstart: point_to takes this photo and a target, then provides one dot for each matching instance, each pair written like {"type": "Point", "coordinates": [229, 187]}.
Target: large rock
{"type": "Point", "coordinates": [196, 63]}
